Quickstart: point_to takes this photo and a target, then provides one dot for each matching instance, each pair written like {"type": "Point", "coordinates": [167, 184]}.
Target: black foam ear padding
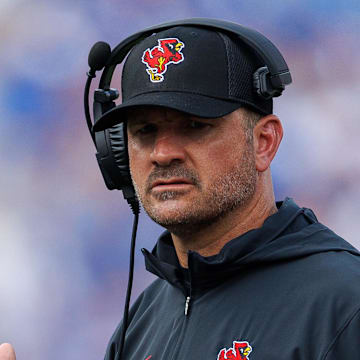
{"type": "Point", "coordinates": [118, 143]}
{"type": "Point", "coordinates": [113, 157]}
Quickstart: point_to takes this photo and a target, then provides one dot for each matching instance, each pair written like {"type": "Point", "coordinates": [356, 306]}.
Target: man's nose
{"type": "Point", "coordinates": [167, 149]}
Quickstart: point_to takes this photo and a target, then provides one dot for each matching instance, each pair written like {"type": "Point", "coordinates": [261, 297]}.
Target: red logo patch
{"type": "Point", "coordinates": [159, 57]}
{"type": "Point", "coordinates": [239, 351]}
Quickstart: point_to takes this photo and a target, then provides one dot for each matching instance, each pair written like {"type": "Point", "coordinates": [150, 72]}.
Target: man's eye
{"type": "Point", "coordinates": [197, 124]}
{"type": "Point", "coordinates": [146, 129]}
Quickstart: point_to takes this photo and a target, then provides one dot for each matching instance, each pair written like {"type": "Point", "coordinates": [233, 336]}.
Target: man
{"type": "Point", "coordinates": [240, 276]}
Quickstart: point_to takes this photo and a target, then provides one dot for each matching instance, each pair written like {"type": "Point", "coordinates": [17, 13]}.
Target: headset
{"type": "Point", "coordinates": [111, 144]}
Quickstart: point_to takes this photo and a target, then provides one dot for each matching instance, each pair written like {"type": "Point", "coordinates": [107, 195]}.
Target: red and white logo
{"type": "Point", "coordinates": [239, 351]}
{"type": "Point", "coordinates": [159, 57]}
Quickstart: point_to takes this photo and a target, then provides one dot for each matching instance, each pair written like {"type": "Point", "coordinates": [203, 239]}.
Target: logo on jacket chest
{"type": "Point", "coordinates": [239, 351]}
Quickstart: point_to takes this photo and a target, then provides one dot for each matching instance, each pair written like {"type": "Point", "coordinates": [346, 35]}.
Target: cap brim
{"type": "Point", "coordinates": [193, 104]}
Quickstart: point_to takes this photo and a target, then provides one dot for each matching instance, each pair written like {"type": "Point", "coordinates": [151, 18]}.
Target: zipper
{"type": "Point", "coordinates": [175, 353]}
{"type": "Point", "coordinates": [188, 297]}
{"type": "Point", "coordinates": [187, 301]}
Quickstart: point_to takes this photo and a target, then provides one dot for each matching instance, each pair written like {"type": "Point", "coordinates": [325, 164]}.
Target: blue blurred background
{"type": "Point", "coordinates": [64, 237]}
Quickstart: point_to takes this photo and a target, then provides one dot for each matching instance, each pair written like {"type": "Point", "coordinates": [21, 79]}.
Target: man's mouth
{"type": "Point", "coordinates": [171, 184]}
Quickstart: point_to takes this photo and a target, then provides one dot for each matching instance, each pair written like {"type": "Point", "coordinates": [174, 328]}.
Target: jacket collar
{"type": "Point", "coordinates": [208, 271]}
{"type": "Point", "coordinates": [291, 233]}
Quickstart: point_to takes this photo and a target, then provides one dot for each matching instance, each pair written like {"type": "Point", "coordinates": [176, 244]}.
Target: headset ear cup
{"type": "Point", "coordinates": [113, 159]}
{"type": "Point", "coordinates": [118, 143]}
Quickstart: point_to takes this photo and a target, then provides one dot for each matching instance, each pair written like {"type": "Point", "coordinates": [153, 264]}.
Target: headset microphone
{"type": "Point", "coordinates": [99, 55]}
{"type": "Point", "coordinates": [97, 59]}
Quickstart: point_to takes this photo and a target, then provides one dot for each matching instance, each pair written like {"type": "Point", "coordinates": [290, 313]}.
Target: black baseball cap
{"type": "Point", "coordinates": [202, 72]}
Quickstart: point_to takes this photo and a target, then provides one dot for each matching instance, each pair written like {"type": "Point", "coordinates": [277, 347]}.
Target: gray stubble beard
{"type": "Point", "coordinates": [227, 192]}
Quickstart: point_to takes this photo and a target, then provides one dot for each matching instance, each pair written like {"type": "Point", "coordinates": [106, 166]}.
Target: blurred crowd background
{"type": "Point", "coordinates": [64, 237]}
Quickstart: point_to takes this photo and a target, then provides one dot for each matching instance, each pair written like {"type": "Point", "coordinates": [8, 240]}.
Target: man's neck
{"type": "Point", "coordinates": [211, 239]}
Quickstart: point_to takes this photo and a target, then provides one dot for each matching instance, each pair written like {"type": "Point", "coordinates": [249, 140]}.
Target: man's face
{"type": "Point", "coordinates": [189, 172]}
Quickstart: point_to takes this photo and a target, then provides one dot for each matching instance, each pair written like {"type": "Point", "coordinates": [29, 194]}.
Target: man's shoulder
{"type": "Point", "coordinates": [153, 297]}
{"type": "Point", "coordinates": [137, 311]}
{"type": "Point", "coordinates": [338, 266]}
{"type": "Point", "coordinates": [149, 293]}
{"type": "Point", "coordinates": [335, 255]}
{"type": "Point", "coordinates": [332, 268]}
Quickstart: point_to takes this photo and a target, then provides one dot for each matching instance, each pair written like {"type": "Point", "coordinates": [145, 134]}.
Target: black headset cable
{"type": "Point", "coordinates": [135, 207]}
{"type": "Point", "coordinates": [98, 57]}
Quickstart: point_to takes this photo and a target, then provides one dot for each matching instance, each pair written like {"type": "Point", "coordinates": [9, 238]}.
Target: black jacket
{"type": "Point", "coordinates": [289, 290]}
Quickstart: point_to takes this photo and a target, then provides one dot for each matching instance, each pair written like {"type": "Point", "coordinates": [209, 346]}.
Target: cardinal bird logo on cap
{"type": "Point", "coordinates": [159, 57]}
{"type": "Point", "coordinates": [239, 351]}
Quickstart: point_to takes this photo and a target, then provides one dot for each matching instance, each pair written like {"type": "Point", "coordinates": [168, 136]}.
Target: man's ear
{"type": "Point", "coordinates": [268, 133]}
